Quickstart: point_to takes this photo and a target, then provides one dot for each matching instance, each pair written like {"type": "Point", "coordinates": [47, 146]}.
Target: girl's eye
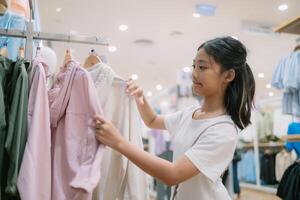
{"type": "Point", "coordinates": [202, 67]}
{"type": "Point", "coordinates": [194, 66]}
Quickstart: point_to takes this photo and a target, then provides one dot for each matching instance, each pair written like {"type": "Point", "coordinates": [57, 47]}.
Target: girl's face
{"type": "Point", "coordinates": [208, 79]}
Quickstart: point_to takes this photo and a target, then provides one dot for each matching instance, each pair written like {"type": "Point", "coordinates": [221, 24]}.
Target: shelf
{"type": "Point", "coordinates": [291, 26]}
{"type": "Point", "coordinates": [292, 138]}
{"type": "Point", "coordinates": [264, 144]}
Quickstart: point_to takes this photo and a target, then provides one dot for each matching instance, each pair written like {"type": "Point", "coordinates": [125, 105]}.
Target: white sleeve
{"type": "Point", "coordinates": [172, 122]}
{"type": "Point", "coordinates": [213, 151]}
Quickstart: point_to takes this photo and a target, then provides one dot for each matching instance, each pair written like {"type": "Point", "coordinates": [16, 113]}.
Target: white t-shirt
{"type": "Point", "coordinates": [211, 154]}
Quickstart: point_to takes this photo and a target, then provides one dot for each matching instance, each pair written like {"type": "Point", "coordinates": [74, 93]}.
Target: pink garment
{"type": "Point", "coordinates": [34, 180]}
{"type": "Point", "coordinates": [76, 153]}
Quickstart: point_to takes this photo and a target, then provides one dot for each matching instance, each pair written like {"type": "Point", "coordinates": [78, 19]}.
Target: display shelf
{"type": "Point", "coordinates": [292, 138]}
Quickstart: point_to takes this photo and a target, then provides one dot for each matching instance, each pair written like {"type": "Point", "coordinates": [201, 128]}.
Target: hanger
{"type": "Point", "coordinates": [92, 59]}
{"type": "Point", "coordinates": [297, 48]}
{"type": "Point", "coordinates": [38, 52]}
{"type": "Point", "coordinates": [68, 57]}
{"type": "Point", "coordinates": [3, 50]}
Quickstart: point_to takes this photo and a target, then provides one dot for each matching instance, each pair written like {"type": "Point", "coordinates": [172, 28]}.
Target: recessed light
{"type": "Point", "coordinates": [123, 27]}
{"type": "Point", "coordinates": [268, 86]}
{"type": "Point", "coordinates": [112, 48]}
{"type": "Point", "coordinates": [149, 94]}
{"type": "Point", "coordinates": [271, 94]}
{"type": "Point", "coordinates": [58, 9]}
{"type": "Point", "coordinates": [196, 15]}
{"type": "Point", "coordinates": [206, 9]}
{"type": "Point", "coordinates": [283, 7]}
{"type": "Point", "coordinates": [159, 87]}
{"type": "Point", "coordinates": [134, 76]}
{"type": "Point", "coordinates": [261, 75]}
{"type": "Point", "coordinates": [186, 69]}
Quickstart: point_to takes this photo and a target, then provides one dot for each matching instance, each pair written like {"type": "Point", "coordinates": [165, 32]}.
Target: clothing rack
{"type": "Point", "coordinates": [30, 35]}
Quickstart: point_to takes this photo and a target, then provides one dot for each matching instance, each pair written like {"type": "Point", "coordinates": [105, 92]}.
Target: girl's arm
{"type": "Point", "coordinates": [167, 172]}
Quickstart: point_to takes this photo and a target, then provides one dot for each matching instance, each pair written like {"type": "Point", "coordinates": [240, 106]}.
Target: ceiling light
{"type": "Point", "coordinates": [283, 7]}
{"type": "Point", "coordinates": [112, 48]}
{"type": "Point", "coordinates": [196, 15]}
{"type": "Point", "coordinates": [58, 9]}
{"type": "Point", "coordinates": [123, 27]}
{"type": "Point", "coordinates": [187, 69]}
{"type": "Point", "coordinates": [271, 94]}
{"type": "Point", "coordinates": [134, 76]}
{"type": "Point", "coordinates": [268, 86]}
{"type": "Point", "coordinates": [159, 87]}
{"type": "Point", "coordinates": [206, 9]}
{"type": "Point", "coordinates": [149, 94]}
{"type": "Point", "coordinates": [261, 75]}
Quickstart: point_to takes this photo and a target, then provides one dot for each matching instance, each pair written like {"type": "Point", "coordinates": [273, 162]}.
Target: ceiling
{"type": "Point", "coordinates": [155, 20]}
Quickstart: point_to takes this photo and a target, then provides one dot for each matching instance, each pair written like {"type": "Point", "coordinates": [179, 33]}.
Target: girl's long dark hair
{"type": "Point", "coordinates": [231, 54]}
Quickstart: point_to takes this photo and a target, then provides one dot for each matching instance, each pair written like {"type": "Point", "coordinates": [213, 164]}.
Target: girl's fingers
{"type": "Point", "coordinates": [100, 119]}
{"type": "Point", "coordinates": [137, 91]}
{"type": "Point", "coordinates": [132, 88]}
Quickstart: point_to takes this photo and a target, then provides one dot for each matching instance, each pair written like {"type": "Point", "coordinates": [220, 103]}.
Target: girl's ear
{"type": "Point", "coordinates": [229, 75]}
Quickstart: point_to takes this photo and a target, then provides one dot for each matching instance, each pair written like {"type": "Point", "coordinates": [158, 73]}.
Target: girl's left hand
{"type": "Point", "coordinates": [107, 133]}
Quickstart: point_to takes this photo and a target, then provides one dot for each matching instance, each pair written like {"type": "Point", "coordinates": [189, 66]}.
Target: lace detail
{"type": "Point", "coordinates": [103, 76]}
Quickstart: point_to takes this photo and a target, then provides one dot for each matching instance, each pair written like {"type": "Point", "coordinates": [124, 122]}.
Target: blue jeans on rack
{"type": "Point", "coordinates": [12, 21]}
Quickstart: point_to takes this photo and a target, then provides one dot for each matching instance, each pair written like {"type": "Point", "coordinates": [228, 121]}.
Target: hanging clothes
{"type": "Point", "coordinates": [160, 142]}
{"type": "Point", "coordinates": [5, 66]}
{"type": "Point", "coordinates": [267, 167]}
{"type": "Point", "coordinates": [163, 190]}
{"type": "Point", "coordinates": [264, 124]}
{"type": "Point", "coordinates": [236, 183]}
{"type": "Point", "coordinates": [20, 7]}
{"type": "Point", "coordinates": [294, 128]}
{"type": "Point", "coordinates": [283, 160]}
{"type": "Point", "coordinates": [246, 167]}
{"type": "Point", "coordinates": [15, 134]}
{"type": "Point", "coordinates": [77, 155]}
{"type": "Point", "coordinates": [12, 21]}
{"type": "Point", "coordinates": [120, 178]}
{"type": "Point", "coordinates": [287, 77]}
{"type": "Point", "coordinates": [291, 103]}
{"type": "Point", "coordinates": [34, 181]}
{"type": "Point", "coordinates": [288, 188]}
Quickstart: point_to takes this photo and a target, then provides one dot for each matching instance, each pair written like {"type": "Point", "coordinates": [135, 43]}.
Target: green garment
{"type": "Point", "coordinates": [5, 66]}
{"type": "Point", "coordinates": [16, 130]}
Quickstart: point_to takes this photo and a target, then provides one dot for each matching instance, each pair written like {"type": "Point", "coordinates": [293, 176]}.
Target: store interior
{"type": "Point", "coordinates": [155, 42]}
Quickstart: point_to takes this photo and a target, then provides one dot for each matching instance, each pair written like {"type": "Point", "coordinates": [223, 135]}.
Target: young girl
{"type": "Point", "coordinates": [206, 135]}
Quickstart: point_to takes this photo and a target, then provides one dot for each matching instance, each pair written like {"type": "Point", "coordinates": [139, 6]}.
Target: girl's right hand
{"type": "Point", "coordinates": [134, 90]}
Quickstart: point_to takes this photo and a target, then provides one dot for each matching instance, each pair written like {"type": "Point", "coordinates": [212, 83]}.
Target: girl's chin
{"type": "Point", "coordinates": [198, 90]}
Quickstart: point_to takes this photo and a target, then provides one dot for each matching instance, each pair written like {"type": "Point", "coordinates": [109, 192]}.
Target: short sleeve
{"type": "Point", "coordinates": [172, 121]}
{"type": "Point", "coordinates": [213, 152]}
